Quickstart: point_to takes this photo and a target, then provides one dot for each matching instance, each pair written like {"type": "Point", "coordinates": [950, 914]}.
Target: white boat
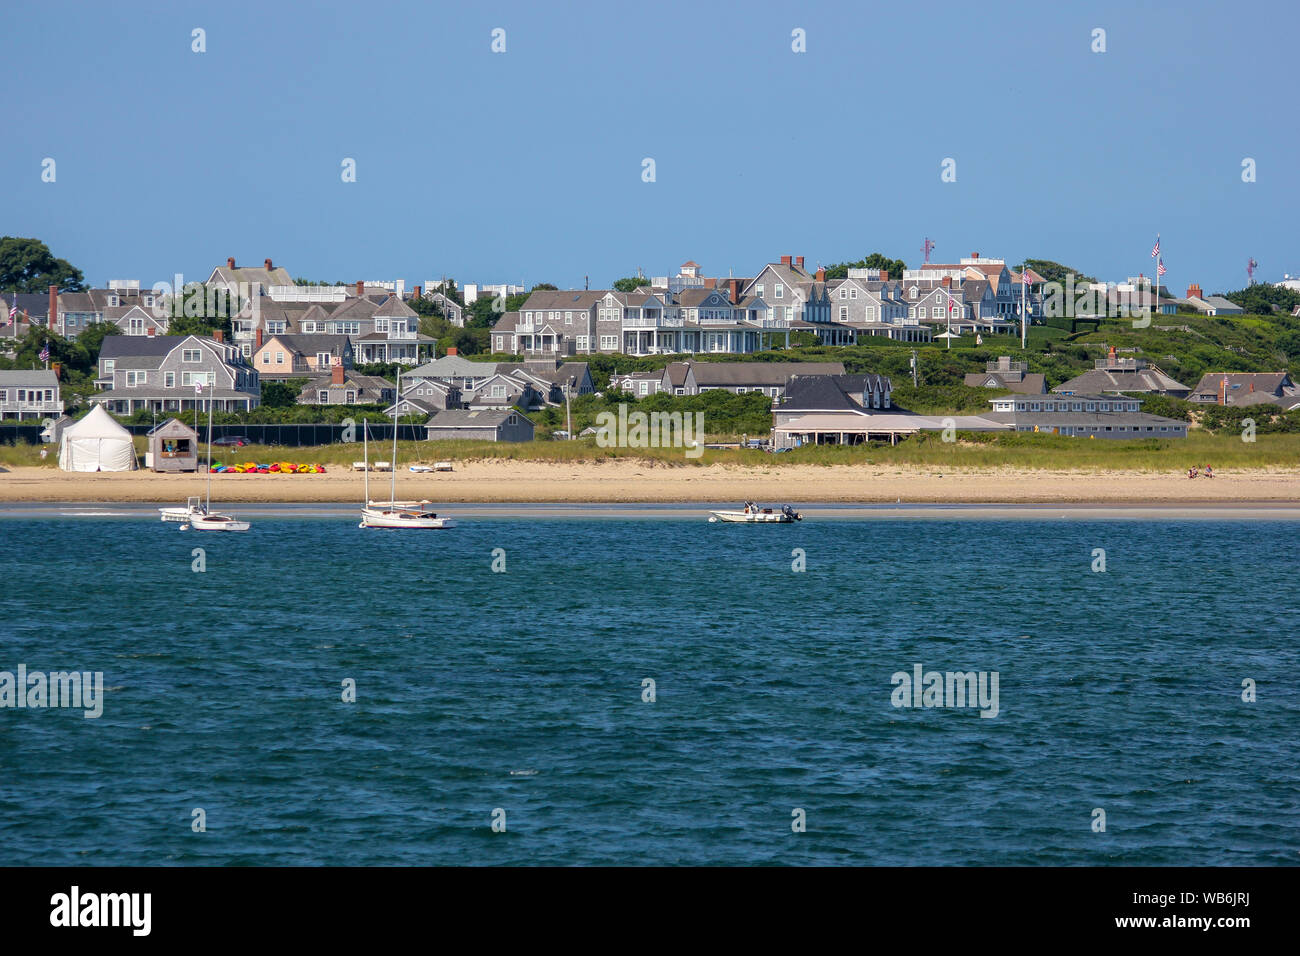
{"type": "Point", "coordinates": [394, 514]}
{"type": "Point", "coordinates": [193, 509]}
{"type": "Point", "coordinates": [213, 522]}
{"type": "Point", "coordinates": [198, 513]}
{"type": "Point", "coordinates": [753, 514]}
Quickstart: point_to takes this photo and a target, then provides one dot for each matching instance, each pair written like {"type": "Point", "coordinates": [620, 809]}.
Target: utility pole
{"type": "Point", "coordinates": [914, 368]}
{"type": "Point", "coordinates": [568, 411]}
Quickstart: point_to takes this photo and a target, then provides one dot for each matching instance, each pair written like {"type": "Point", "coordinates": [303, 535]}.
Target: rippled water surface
{"type": "Point", "coordinates": [522, 691]}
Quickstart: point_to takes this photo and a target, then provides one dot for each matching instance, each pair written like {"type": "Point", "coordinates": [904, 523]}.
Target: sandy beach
{"type": "Point", "coordinates": [497, 480]}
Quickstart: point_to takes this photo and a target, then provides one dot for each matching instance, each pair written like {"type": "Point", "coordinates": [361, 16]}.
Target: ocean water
{"type": "Point", "coordinates": [519, 695]}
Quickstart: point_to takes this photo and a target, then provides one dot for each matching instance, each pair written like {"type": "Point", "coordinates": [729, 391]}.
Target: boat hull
{"type": "Point", "coordinates": [410, 520]}
{"type": "Point", "coordinates": [218, 523]}
{"type": "Point", "coordinates": [742, 517]}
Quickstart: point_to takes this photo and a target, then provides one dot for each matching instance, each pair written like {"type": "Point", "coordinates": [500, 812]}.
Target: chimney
{"type": "Point", "coordinates": [230, 263]}
{"type": "Point", "coordinates": [785, 260]}
{"type": "Point", "coordinates": [219, 335]}
{"type": "Point", "coordinates": [452, 350]}
{"type": "Point", "coordinates": [418, 290]}
{"type": "Point", "coordinates": [974, 255]}
{"type": "Point", "coordinates": [268, 265]}
{"type": "Point", "coordinates": [54, 307]}
{"type": "Point", "coordinates": [735, 289]}
{"type": "Point", "coordinates": [151, 331]}
{"type": "Point", "coordinates": [821, 274]}
{"type": "Point", "coordinates": [336, 374]}
{"type": "Point", "coordinates": [259, 339]}
{"type": "Point", "coordinates": [946, 282]}
{"type": "Point", "coordinates": [1194, 291]}
{"type": "Point", "coordinates": [798, 260]}
{"type": "Point", "coordinates": [361, 289]}
{"type": "Point", "coordinates": [57, 369]}
{"type": "Point", "coordinates": [884, 275]}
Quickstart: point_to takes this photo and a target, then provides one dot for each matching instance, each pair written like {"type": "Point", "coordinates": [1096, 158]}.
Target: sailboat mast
{"type": "Point", "coordinates": [365, 444]}
{"type": "Point", "coordinates": [392, 495]}
{"type": "Point", "coordinates": [209, 504]}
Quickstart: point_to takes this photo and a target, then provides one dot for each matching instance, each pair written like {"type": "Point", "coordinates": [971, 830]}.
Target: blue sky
{"type": "Point", "coordinates": [526, 166]}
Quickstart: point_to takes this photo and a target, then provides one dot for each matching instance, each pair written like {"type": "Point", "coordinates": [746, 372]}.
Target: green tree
{"type": "Point", "coordinates": [895, 267]}
{"type": "Point", "coordinates": [27, 265]}
{"type": "Point", "coordinates": [631, 283]}
{"type": "Point", "coordinates": [1054, 271]}
{"type": "Point", "coordinates": [1264, 298]}
{"type": "Point", "coordinates": [92, 338]}
{"type": "Point", "coordinates": [282, 394]}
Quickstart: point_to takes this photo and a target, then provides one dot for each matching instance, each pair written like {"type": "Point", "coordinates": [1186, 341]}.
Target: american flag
{"type": "Point", "coordinates": [13, 311]}
{"type": "Point", "coordinates": [45, 352]}
{"type": "Point", "coordinates": [1160, 267]}
{"type": "Point", "coordinates": [1155, 250]}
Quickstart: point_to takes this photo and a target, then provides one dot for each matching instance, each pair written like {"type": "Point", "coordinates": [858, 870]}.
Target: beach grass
{"type": "Point", "coordinates": [970, 451]}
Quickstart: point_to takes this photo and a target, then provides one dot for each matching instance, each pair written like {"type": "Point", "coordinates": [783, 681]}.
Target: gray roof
{"type": "Point", "coordinates": [1033, 383]}
{"type": "Point", "coordinates": [310, 343]}
{"type": "Point", "coordinates": [758, 373]}
{"type": "Point", "coordinates": [42, 377]}
{"type": "Point", "coordinates": [473, 417]}
{"type": "Point", "coordinates": [452, 366]}
{"type": "Point", "coordinates": [828, 392]}
{"type": "Point", "coordinates": [395, 308]}
{"type": "Point", "coordinates": [1098, 380]}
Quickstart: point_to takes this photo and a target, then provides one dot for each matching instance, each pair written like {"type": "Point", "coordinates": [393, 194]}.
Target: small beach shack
{"type": "Point", "coordinates": [173, 446]}
{"type": "Point", "coordinates": [96, 443]}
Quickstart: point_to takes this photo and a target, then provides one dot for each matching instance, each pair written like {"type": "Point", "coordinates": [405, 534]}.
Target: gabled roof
{"type": "Point", "coordinates": [395, 308]}
{"type": "Point", "coordinates": [560, 299]}
{"type": "Point", "coordinates": [452, 366]}
{"type": "Point", "coordinates": [310, 344]}
{"type": "Point", "coordinates": [758, 373]}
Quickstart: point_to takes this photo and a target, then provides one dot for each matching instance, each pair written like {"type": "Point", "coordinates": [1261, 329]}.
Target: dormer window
{"type": "Point", "coordinates": [913, 292]}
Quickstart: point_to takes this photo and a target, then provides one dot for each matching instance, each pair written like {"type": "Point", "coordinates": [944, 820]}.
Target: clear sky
{"type": "Point", "coordinates": [526, 166]}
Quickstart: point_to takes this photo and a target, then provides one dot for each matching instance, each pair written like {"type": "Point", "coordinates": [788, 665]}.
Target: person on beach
{"type": "Point", "coordinates": [1209, 472]}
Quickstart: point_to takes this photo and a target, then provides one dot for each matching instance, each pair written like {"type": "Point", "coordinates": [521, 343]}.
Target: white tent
{"type": "Point", "coordinates": [96, 443]}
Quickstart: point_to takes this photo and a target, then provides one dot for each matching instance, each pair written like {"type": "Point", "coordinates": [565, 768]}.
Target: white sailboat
{"type": "Point", "coordinates": [396, 514]}
{"type": "Point", "coordinates": [201, 517]}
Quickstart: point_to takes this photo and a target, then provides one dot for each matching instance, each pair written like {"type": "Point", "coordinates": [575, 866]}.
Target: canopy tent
{"type": "Point", "coordinates": [96, 443]}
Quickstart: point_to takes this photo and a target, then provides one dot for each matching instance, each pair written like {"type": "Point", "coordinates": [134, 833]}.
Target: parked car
{"type": "Point", "coordinates": [234, 441]}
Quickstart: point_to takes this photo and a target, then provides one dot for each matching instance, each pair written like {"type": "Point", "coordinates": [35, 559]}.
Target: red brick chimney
{"type": "Point", "coordinates": [821, 275]}
{"type": "Point", "coordinates": [735, 289]}
{"type": "Point", "coordinates": [268, 265]}
{"type": "Point", "coordinates": [336, 374]}
{"type": "Point", "coordinates": [219, 335]}
{"type": "Point", "coordinates": [1194, 291]}
{"type": "Point", "coordinates": [258, 339]}
{"type": "Point", "coordinates": [230, 262]}
{"type": "Point", "coordinates": [946, 282]}
{"type": "Point", "coordinates": [785, 260]}
{"type": "Point", "coordinates": [54, 307]}
{"type": "Point", "coordinates": [798, 260]}
{"type": "Point", "coordinates": [452, 350]}
{"type": "Point", "coordinates": [418, 290]}
{"type": "Point", "coordinates": [151, 331]}
{"type": "Point", "coordinates": [361, 289]}
{"type": "Point", "coordinates": [884, 275]}
{"type": "Point", "coordinates": [974, 255]}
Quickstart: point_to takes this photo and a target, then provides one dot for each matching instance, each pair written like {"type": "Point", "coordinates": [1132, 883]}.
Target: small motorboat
{"type": "Point", "coordinates": [194, 508]}
{"type": "Point", "coordinates": [753, 514]}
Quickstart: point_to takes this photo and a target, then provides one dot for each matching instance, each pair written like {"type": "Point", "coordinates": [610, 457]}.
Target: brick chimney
{"type": "Point", "coordinates": [452, 350]}
{"type": "Point", "coordinates": [258, 339]}
{"type": "Point", "coordinates": [268, 265]}
{"type": "Point", "coordinates": [821, 274]}
{"type": "Point", "coordinates": [219, 335]}
{"type": "Point", "coordinates": [151, 331]}
{"type": "Point", "coordinates": [57, 369]}
{"type": "Point", "coordinates": [54, 307]}
{"type": "Point", "coordinates": [336, 374]}
{"type": "Point", "coordinates": [735, 289]}
{"type": "Point", "coordinates": [884, 275]}
{"type": "Point", "coordinates": [418, 290]}
{"type": "Point", "coordinates": [974, 255]}
{"type": "Point", "coordinates": [230, 262]}
{"type": "Point", "coordinates": [946, 282]}
{"type": "Point", "coordinates": [361, 289]}
{"type": "Point", "coordinates": [1194, 291]}
{"type": "Point", "coordinates": [785, 260]}
{"type": "Point", "coordinates": [798, 260]}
